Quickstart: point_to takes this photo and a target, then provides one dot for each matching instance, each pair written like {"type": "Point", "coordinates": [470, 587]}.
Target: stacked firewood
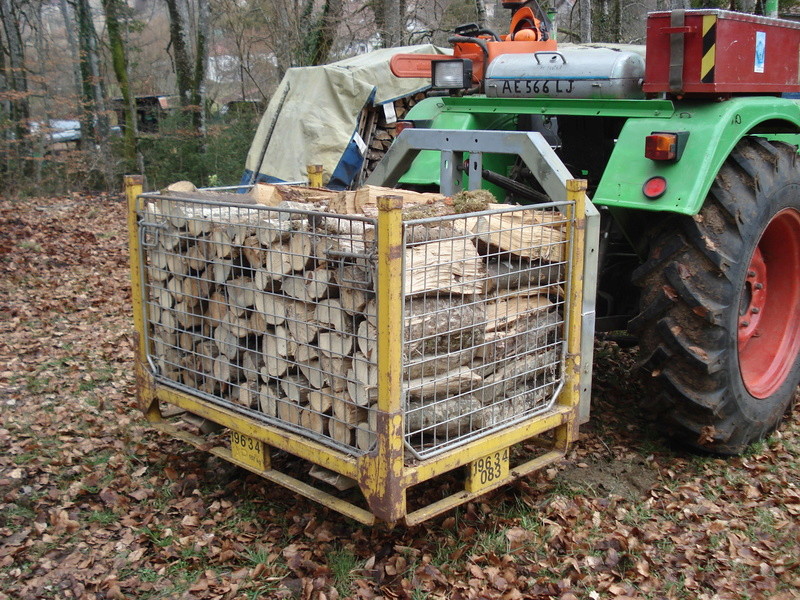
{"type": "Point", "coordinates": [378, 132]}
{"type": "Point", "coordinates": [275, 310]}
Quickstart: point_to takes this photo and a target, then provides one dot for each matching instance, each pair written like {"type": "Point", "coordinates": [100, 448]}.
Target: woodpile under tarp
{"type": "Point", "coordinates": [266, 300]}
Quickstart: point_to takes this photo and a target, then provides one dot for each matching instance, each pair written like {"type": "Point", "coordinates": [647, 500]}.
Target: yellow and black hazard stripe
{"type": "Point", "coordinates": [709, 48]}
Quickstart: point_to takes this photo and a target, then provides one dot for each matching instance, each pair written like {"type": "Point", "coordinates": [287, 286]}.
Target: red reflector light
{"type": "Point", "coordinates": [401, 125]}
{"type": "Point", "coordinates": [654, 187]}
{"type": "Point", "coordinates": [661, 146]}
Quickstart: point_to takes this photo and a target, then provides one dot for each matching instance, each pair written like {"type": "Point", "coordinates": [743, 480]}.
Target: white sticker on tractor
{"type": "Point", "coordinates": [388, 113]}
{"type": "Point", "coordinates": [761, 50]}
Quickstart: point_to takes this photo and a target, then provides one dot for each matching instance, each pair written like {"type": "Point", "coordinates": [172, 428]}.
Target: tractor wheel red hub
{"type": "Point", "coordinates": [769, 311]}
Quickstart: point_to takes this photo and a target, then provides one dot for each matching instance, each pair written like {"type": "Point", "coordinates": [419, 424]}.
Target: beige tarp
{"type": "Point", "coordinates": [313, 114]}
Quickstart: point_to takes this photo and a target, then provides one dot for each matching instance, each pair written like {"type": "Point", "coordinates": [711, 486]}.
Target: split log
{"type": "Point", "coordinates": [313, 421]}
{"type": "Point", "coordinates": [330, 314]}
{"type": "Point", "coordinates": [227, 343]}
{"type": "Point", "coordinates": [444, 385]}
{"type": "Point", "coordinates": [334, 344]}
{"type": "Point", "coordinates": [176, 264]}
{"type": "Point", "coordinates": [241, 295]}
{"type": "Point", "coordinates": [272, 231]}
{"type": "Point", "coordinates": [157, 268]}
{"type": "Point", "coordinates": [296, 388]}
{"type": "Point", "coordinates": [299, 321]}
{"type": "Point", "coordinates": [528, 333]}
{"type": "Point", "coordinates": [301, 249]}
{"type": "Point", "coordinates": [288, 411]}
{"type": "Point", "coordinates": [268, 395]}
{"type": "Point", "coordinates": [221, 270]}
{"type": "Point", "coordinates": [207, 352]}
{"type": "Point", "coordinates": [367, 339]}
{"type": "Point", "coordinates": [447, 266]}
{"type": "Point", "coordinates": [307, 360]}
{"type": "Point", "coordinates": [365, 438]}
{"type": "Point", "coordinates": [320, 400]}
{"type": "Point", "coordinates": [510, 234]}
{"type": "Point", "coordinates": [437, 326]}
{"type": "Point", "coordinates": [195, 290]}
{"type": "Point", "coordinates": [275, 347]}
{"type": "Point", "coordinates": [509, 275]}
{"type": "Point", "coordinates": [175, 287]}
{"type": "Point", "coordinates": [335, 369]}
{"type": "Point", "coordinates": [272, 307]}
{"type": "Point", "coordinates": [163, 296]}
{"type": "Point", "coordinates": [198, 255]}
{"type": "Point", "coordinates": [513, 373]}
{"type": "Point", "coordinates": [254, 254]}
{"type": "Point", "coordinates": [188, 316]}
{"type": "Point", "coordinates": [450, 418]}
{"type": "Point", "coordinates": [515, 402]}
{"type": "Point", "coordinates": [221, 242]}
{"type": "Point", "coordinates": [347, 411]}
{"type": "Point", "coordinates": [249, 394]}
{"type": "Point", "coordinates": [277, 262]}
{"type": "Point", "coordinates": [217, 307]}
{"type": "Point", "coordinates": [238, 326]}
{"type": "Point", "coordinates": [355, 287]}
{"type": "Point", "coordinates": [361, 394]}
{"type": "Point", "coordinates": [341, 432]}
{"type": "Point", "coordinates": [252, 362]}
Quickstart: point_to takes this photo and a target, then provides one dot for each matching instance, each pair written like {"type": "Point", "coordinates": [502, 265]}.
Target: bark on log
{"type": "Point", "coordinates": [449, 418]}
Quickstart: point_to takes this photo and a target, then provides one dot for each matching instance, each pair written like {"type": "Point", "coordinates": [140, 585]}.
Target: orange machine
{"type": "Point", "coordinates": [528, 33]}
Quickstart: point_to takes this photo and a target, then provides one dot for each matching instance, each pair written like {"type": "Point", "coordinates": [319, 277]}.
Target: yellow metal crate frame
{"type": "Point", "coordinates": [382, 474]}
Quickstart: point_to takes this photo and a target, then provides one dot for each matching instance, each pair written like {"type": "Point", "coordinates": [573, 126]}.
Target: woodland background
{"type": "Point", "coordinates": [66, 64]}
{"type": "Point", "coordinates": [95, 505]}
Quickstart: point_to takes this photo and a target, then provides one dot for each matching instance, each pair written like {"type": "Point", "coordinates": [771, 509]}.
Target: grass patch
{"type": "Point", "coordinates": [343, 564]}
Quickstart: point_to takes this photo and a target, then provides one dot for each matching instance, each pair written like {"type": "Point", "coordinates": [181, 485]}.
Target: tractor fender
{"type": "Point", "coordinates": [714, 129]}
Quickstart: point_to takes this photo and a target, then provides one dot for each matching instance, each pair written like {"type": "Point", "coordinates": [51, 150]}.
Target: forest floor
{"type": "Point", "coordinates": [96, 505]}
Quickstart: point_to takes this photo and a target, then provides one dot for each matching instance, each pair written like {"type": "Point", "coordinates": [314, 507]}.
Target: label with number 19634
{"type": "Point", "coordinates": [248, 450]}
{"type": "Point", "coordinates": [487, 470]}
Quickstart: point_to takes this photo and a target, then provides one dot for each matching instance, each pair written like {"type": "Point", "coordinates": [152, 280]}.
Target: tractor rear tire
{"type": "Point", "coordinates": [719, 321]}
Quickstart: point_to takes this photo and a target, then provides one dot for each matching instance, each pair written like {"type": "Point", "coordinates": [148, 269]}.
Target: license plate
{"type": "Point", "coordinates": [250, 451]}
{"type": "Point", "coordinates": [487, 470]}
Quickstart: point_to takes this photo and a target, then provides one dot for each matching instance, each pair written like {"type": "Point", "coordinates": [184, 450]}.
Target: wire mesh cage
{"type": "Point", "coordinates": [262, 310]}
{"type": "Point", "coordinates": [483, 323]}
{"type": "Point", "coordinates": [272, 312]}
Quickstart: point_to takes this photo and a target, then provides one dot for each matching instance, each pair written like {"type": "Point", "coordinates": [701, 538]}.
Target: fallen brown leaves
{"type": "Point", "coordinates": [94, 505]}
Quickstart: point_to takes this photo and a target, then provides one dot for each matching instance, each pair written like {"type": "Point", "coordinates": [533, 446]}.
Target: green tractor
{"type": "Point", "coordinates": [691, 162]}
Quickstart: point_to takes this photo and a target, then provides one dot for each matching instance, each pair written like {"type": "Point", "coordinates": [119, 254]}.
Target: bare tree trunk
{"type": "Point", "coordinates": [16, 79]}
{"type": "Point", "coordinates": [480, 8]}
{"type": "Point", "coordinates": [120, 63]}
{"type": "Point", "coordinates": [92, 87]}
{"type": "Point", "coordinates": [390, 20]}
{"type": "Point", "coordinates": [200, 66]}
{"type": "Point", "coordinates": [180, 53]}
{"type": "Point", "coordinates": [323, 34]}
{"type": "Point", "coordinates": [585, 7]}
{"type": "Point", "coordinates": [69, 24]}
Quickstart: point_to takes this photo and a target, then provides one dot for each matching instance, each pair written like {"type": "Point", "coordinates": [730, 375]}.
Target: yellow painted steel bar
{"type": "Point", "coordinates": [576, 234]}
{"type": "Point", "coordinates": [133, 188]}
{"type": "Point", "coordinates": [445, 504]}
{"type": "Point", "coordinates": [503, 439]}
{"type": "Point", "coordinates": [287, 481]}
{"type": "Point", "coordinates": [272, 436]}
{"type": "Point", "coordinates": [314, 175]}
{"type": "Point", "coordinates": [382, 470]}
